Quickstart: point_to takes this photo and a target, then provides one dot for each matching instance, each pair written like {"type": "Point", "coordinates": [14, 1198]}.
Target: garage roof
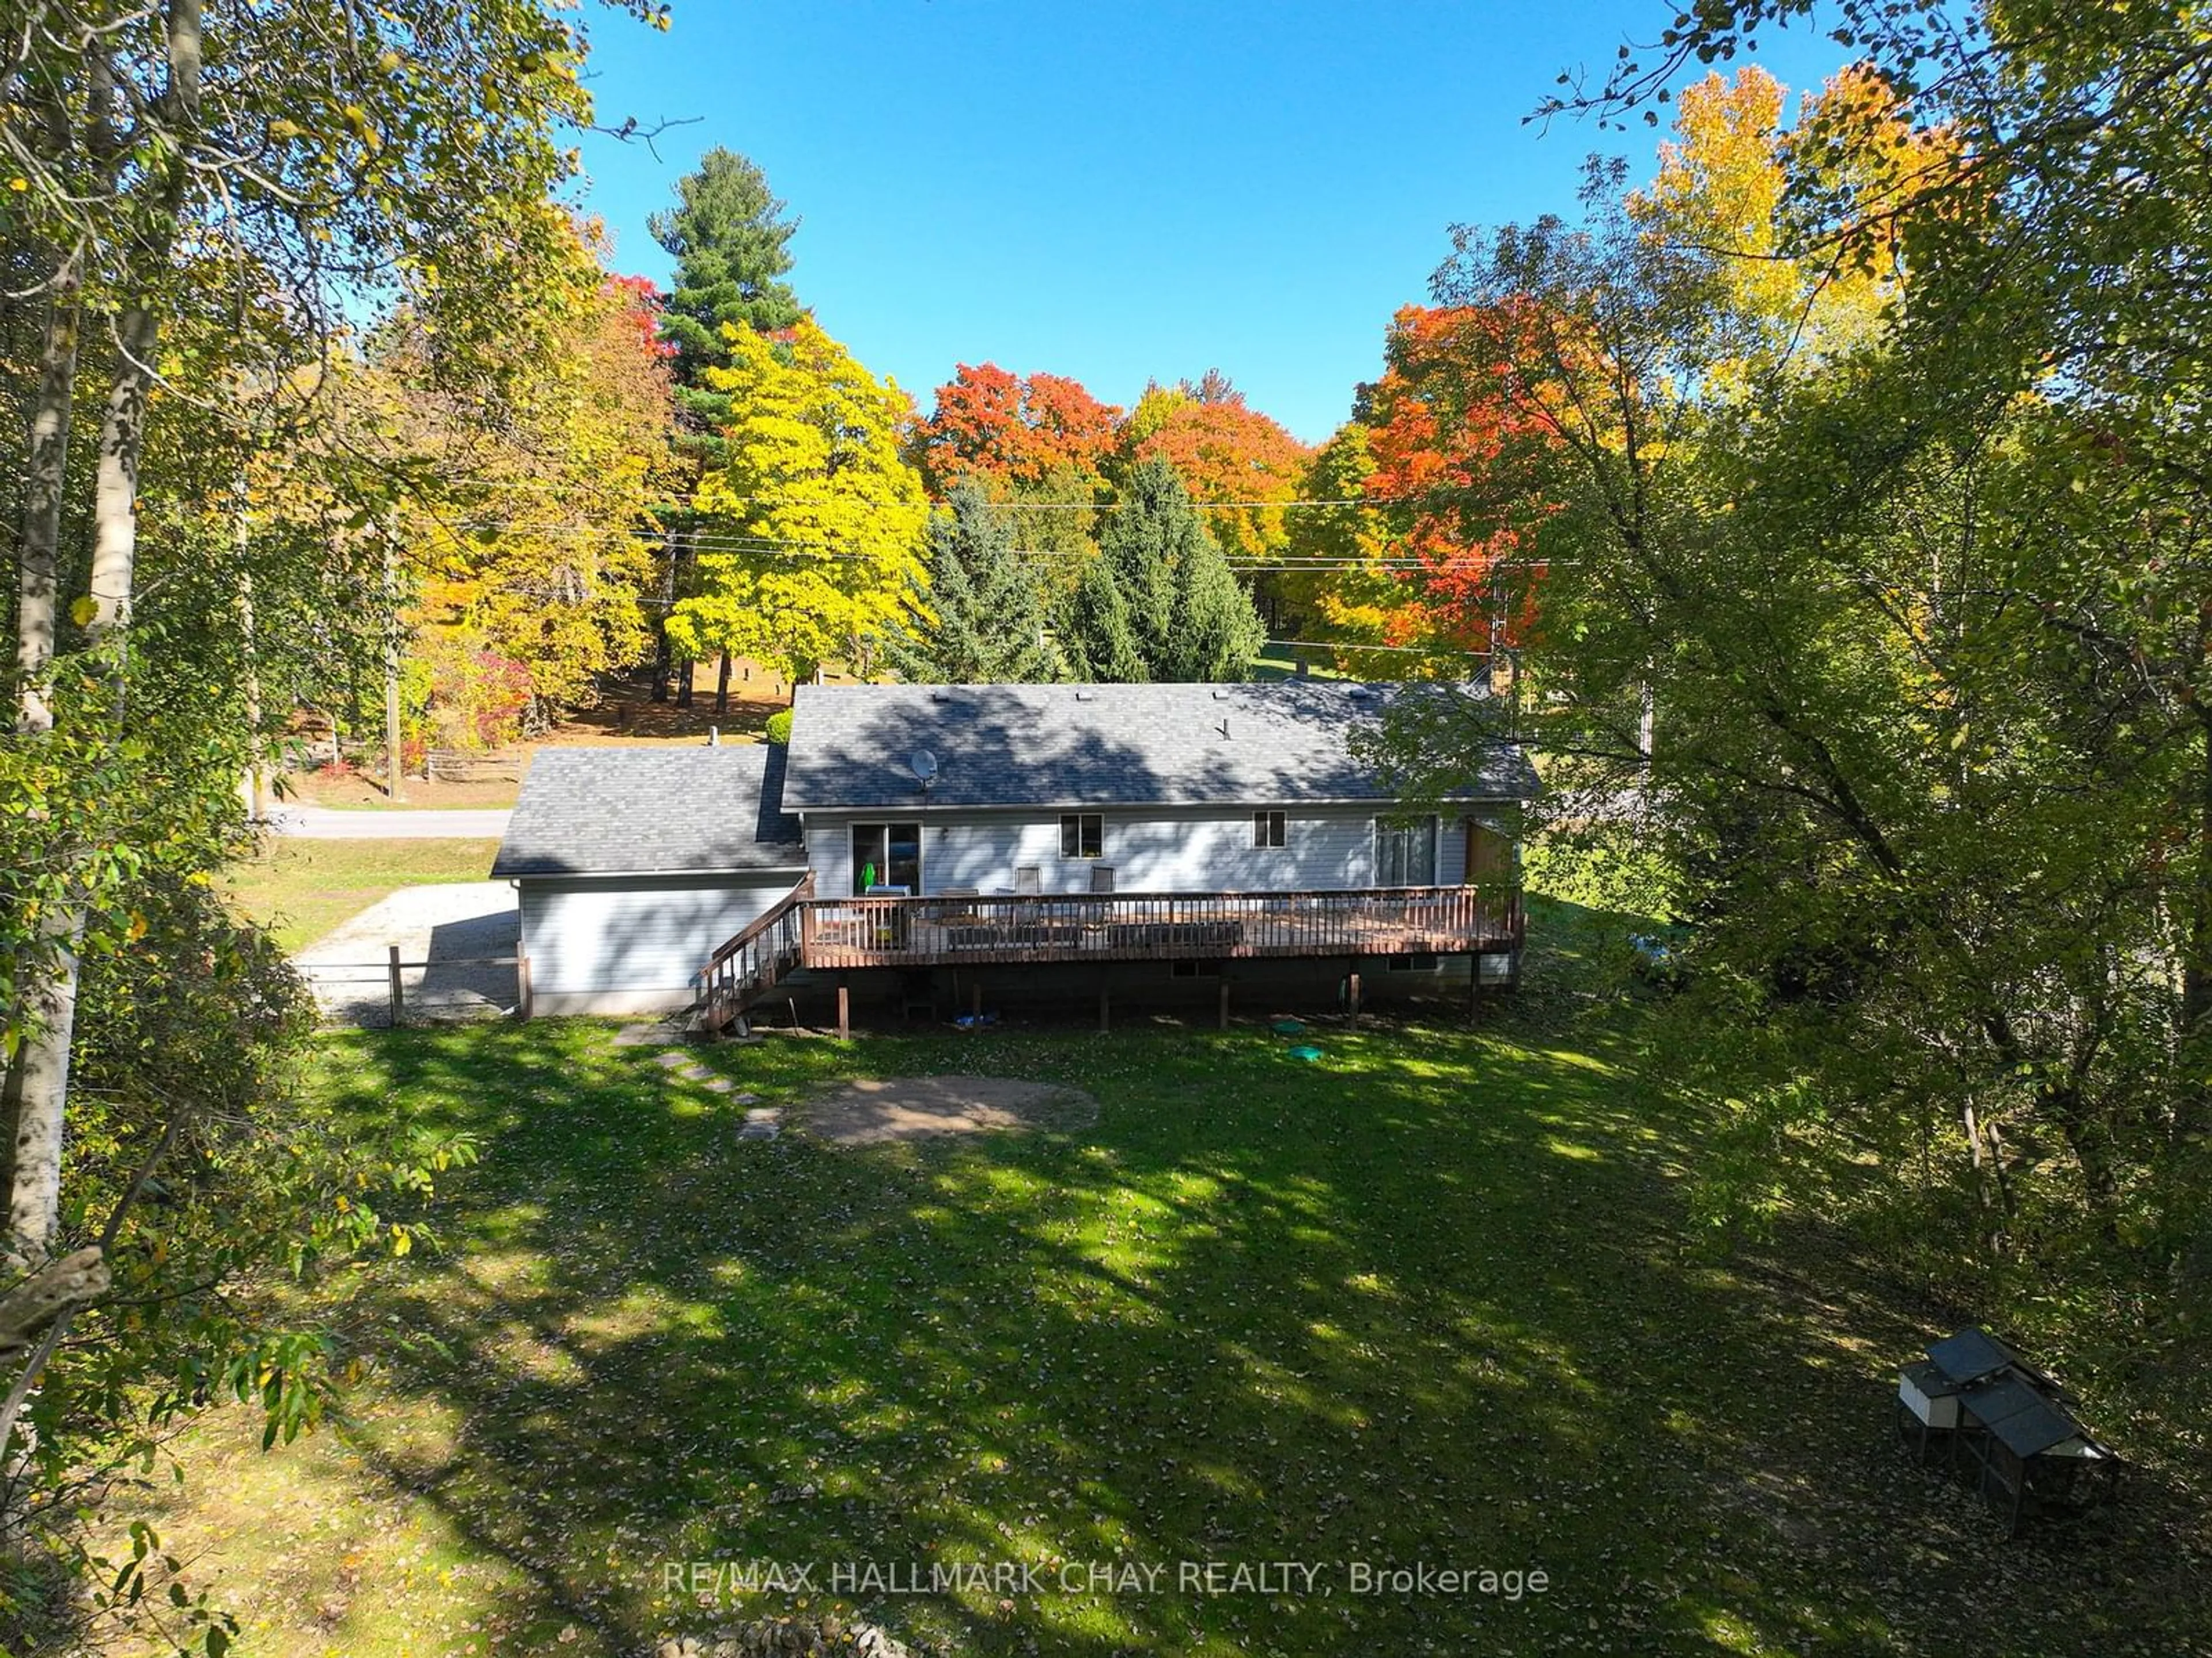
{"type": "Point", "coordinates": [651, 810]}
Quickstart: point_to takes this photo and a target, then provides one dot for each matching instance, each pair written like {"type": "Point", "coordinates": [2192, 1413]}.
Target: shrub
{"type": "Point", "coordinates": [778, 726]}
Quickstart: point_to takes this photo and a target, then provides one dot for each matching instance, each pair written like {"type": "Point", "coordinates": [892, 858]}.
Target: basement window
{"type": "Point", "coordinates": [1194, 970]}
{"type": "Point", "coordinates": [1423, 962]}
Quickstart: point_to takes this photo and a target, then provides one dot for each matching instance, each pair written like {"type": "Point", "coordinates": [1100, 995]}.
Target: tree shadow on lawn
{"type": "Point", "coordinates": [1428, 1302]}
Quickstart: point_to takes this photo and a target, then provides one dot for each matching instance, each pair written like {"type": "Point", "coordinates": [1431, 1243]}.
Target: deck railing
{"type": "Point", "coordinates": [752, 962]}
{"type": "Point", "coordinates": [865, 933]}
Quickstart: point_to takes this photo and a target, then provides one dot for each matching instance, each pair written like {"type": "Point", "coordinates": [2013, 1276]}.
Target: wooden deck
{"type": "Point", "coordinates": [1140, 927]}
{"type": "Point", "coordinates": [853, 933]}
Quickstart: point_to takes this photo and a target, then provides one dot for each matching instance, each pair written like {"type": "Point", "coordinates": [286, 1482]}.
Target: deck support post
{"type": "Point", "coordinates": [398, 997]}
{"type": "Point", "coordinates": [1224, 1001]}
{"type": "Point", "coordinates": [844, 1009]}
{"type": "Point", "coordinates": [1351, 988]}
{"type": "Point", "coordinates": [975, 996]}
{"type": "Point", "coordinates": [1105, 1008]}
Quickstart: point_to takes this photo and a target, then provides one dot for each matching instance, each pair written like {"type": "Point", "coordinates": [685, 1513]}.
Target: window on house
{"type": "Point", "coordinates": [1268, 829]}
{"type": "Point", "coordinates": [1406, 853]}
{"type": "Point", "coordinates": [1194, 970]}
{"type": "Point", "coordinates": [1420, 961]}
{"type": "Point", "coordinates": [1083, 835]}
{"type": "Point", "coordinates": [886, 855]}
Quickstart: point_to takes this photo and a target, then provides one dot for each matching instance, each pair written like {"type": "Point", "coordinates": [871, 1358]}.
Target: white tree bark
{"type": "Point", "coordinates": [115, 494]}
{"type": "Point", "coordinates": [38, 1085]}
{"type": "Point", "coordinates": [45, 470]}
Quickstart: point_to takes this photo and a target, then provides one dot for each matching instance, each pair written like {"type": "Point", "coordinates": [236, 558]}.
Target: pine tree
{"type": "Point", "coordinates": [986, 623]}
{"type": "Point", "coordinates": [1095, 631]}
{"type": "Point", "coordinates": [1160, 602]}
{"type": "Point", "coordinates": [1213, 631]}
{"type": "Point", "coordinates": [727, 237]}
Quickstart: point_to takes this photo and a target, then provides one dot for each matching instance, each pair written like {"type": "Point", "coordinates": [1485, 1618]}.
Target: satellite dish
{"type": "Point", "coordinates": [924, 767]}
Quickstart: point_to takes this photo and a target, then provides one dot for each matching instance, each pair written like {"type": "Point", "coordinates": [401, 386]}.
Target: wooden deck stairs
{"type": "Point", "coordinates": [753, 962]}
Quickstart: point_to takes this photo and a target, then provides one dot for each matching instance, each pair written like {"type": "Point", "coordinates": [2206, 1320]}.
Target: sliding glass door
{"type": "Point", "coordinates": [1406, 853]}
{"type": "Point", "coordinates": [886, 855]}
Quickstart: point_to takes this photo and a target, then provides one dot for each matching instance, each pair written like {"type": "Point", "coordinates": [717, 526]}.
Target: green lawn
{"type": "Point", "coordinates": [306, 888]}
{"type": "Point", "coordinates": [1279, 661]}
{"type": "Point", "coordinates": [1429, 1301]}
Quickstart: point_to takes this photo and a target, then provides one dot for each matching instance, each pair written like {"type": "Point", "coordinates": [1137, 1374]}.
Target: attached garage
{"type": "Point", "coordinates": [632, 865]}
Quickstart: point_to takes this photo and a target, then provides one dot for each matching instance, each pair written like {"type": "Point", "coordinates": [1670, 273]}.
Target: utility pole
{"type": "Point", "coordinates": [662, 662]}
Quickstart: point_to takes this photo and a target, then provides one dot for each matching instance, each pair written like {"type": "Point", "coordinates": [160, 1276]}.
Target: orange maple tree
{"type": "Point", "coordinates": [995, 426]}
{"type": "Point", "coordinates": [1226, 452]}
{"type": "Point", "coordinates": [1456, 468]}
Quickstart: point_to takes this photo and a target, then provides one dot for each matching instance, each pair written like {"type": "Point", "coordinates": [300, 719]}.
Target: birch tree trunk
{"type": "Point", "coordinates": [38, 1085]}
{"type": "Point", "coordinates": [45, 472]}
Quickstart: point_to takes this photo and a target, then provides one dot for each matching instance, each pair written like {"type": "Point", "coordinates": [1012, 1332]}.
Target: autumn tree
{"type": "Point", "coordinates": [1347, 571]}
{"type": "Point", "coordinates": [1923, 607]}
{"type": "Point", "coordinates": [529, 538]}
{"type": "Point", "coordinates": [1039, 445]}
{"type": "Point", "coordinates": [1238, 462]}
{"type": "Point", "coordinates": [1021, 432]}
{"type": "Point", "coordinates": [812, 531]}
{"type": "Point", "coordinates": [1461, 438]}
{"type": "Point", "coordinates": [984, 620]}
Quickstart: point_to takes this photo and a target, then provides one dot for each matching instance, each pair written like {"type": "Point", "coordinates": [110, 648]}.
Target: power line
{"type": "Point", "coordinates": [1347, 645]}
{"type": "Point", "coordinates": [769, 549]}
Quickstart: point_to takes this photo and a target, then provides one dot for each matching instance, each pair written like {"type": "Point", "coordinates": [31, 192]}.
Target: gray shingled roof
{"type": "Point", "coordinates": [1065, 745]}
{"type": "Point", "coordinates": [609, 811]}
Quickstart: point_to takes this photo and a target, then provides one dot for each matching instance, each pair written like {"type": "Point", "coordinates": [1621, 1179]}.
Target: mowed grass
{"type": "Point", "coordinates": [1432, 1300]}
{"type": "Point", "coordinates": [303, 887]}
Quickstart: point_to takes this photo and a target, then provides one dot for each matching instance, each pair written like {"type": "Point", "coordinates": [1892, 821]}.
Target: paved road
{"type": "Point", "coordinates": [459, 922]}
{"type": "Point", "coordinates": [323, 824]}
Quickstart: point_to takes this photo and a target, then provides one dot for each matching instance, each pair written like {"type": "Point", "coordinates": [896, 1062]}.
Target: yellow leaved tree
{"type": "Point", "coordinates": [814, 525]}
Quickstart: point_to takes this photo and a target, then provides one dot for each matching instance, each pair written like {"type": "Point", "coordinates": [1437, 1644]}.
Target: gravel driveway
{"type": "Point", "coordinates": [458, 923]}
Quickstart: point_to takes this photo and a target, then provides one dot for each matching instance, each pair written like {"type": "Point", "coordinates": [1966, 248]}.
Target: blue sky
{"type": "Point", "coordinates": [1121, 191]}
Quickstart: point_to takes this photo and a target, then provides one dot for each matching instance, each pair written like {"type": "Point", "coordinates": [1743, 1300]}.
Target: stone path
{"type": "Point", "coordinates": [764, 1123]}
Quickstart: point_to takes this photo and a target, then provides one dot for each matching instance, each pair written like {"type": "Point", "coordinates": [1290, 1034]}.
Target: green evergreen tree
{"type": "Point", "coordinates": [1214, 630]}
{"type": "Point", "coordinates": [987, 622]}
{"type": "Point", "coordinates": [727, 236]}
{"type": "Point", "coordinates": [1160, 602]}
{"type": "Point", "coordinates": [1095, 630]}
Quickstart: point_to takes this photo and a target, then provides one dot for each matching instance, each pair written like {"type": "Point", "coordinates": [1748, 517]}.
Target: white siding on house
{"type": "Point", "coordinates": [631, 942]}
{"type": "Point", "coordinates": [1191, 850]}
